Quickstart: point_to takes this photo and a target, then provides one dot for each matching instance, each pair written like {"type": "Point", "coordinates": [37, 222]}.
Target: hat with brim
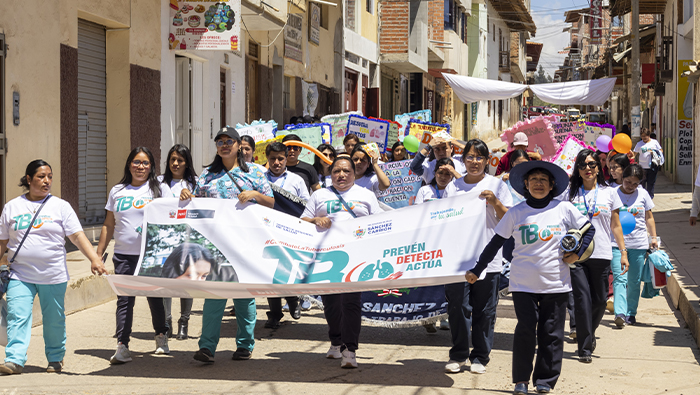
{"type": "Point", "coordinates": [517, 175]}
{"type": "Point", "coordinates": [228, 131]}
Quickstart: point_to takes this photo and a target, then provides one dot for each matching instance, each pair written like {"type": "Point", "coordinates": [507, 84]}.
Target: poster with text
{"type": "Point", "coordinates": [424, 131]}
{"type": "Point", "coordinates": [369, 130]}
{"type": "Point", "coordinates": [562, 130]}
{"type": "Point", "coordinates": [394, 131]}
{"type": "Point", "coordinates": [404, 184]}
{"type": "Point", "coordinates": [339, 124]}
{"type": "Point", "coordinates": [540, 136]}
{"type": "Point", "coordinates": [421, 115]}
{"type": "Point", "coordinates": [205, 25]}
{"type": "Point", "coordinates": [258, 130]}
{"type": "Point", "coordinates": [314, 23]}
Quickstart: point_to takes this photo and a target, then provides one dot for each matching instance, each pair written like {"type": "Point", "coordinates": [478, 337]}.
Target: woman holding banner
{"type": "Point", "coordinates": [540, 281]}
{"type": "Point", "coordinates": [601, 204]}
{"type": "Point", "coordinates": [366, 176]}
{"type": "Point", "coordinates": [423, 163]}
{"type": "Point", "coordinates": [480, 299]}
{"type": "Point", "coordinates": [342, 201]}
{"type": "Point", "coordinates": [322, 168]}
{"type": "Point", "coordinates": [179, 175]}
{"type": "Point", "coordinates": [229, 177]}
{"type": "Point", "coordinates": [125, 210]}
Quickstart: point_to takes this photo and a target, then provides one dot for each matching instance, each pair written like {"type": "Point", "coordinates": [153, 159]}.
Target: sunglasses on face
{"type": "Point", "coordinates": [294, 148]}
{"type": "Point", "coordinates": [222, 142]}
{"type": "Point", "coordinates": [138, 163]}
{"type": "Point", "coordinates": [590, 165]}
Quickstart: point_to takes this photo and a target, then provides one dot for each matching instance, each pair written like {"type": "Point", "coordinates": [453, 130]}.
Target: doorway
{"type": "Point", "coordinates": [189, 98]}
{"type": "Point", "coordinates": [350, 90]}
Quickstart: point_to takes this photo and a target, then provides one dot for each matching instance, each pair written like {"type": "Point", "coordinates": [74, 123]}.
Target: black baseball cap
{"type": "Point", "coordinates": [228, 131]}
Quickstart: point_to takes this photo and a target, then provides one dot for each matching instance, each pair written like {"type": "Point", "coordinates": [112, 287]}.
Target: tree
{"type": "Point", "coordinates": [542, 77]}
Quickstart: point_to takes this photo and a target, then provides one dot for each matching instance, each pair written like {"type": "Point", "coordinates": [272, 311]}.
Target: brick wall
{"type": "Point", "coordinates": [436, 20]}
{"type": "Point", "coordinates": [646, 19]}
{"type": "Point", "coordinates": [393, 26]}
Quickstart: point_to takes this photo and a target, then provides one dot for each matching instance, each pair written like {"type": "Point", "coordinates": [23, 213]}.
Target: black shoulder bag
{"type": "Point", "coordinates": [21, 243]}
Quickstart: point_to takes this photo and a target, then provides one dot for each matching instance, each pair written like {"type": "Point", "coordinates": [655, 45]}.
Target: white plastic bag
{"type": "Point", "coordinates": [3, 322]}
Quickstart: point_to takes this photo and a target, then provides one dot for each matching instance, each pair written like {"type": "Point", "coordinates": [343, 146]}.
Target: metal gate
{"type": "Point", "coordinates": [92, 123]}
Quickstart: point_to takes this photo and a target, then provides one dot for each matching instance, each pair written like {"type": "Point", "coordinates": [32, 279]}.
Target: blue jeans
{"type": "Point", "coordinates": [627, 287]}
{"type": "Point", "coordinates": [20, 300]}
{"type": "Point", "coordinates": [213, 313]}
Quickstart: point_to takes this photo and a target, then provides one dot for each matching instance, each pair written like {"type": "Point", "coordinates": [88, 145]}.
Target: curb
{"type": "Point", "coordinates": [681, 298]}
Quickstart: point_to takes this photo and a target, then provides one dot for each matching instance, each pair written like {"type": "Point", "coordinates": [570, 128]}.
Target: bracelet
{"type": "Point", "coordinates": [623, 249]}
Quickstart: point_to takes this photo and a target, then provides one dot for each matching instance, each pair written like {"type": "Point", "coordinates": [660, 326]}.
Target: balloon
{"type": "Point", "coordinates": [622, 143]}
{"type": "Point", "coordinates": [610, 147]}
{"type": "Point", "coordinates": [628, 222]}
{"type": "Point", "coordinates": [310, 148]}
{"type": "Point", "coordinates": [603, 143]}
{"type": "Point", "coordinates": [411, 143]}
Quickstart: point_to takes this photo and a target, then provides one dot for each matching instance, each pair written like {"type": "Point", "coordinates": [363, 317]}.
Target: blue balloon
{"type": "Point", "coordinates": [628, 222]}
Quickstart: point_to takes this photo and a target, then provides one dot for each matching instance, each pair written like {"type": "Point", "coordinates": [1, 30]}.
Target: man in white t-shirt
{"type": "Point", "coordinates": [644, 150]}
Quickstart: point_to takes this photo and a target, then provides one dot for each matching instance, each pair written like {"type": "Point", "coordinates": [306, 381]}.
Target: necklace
{"type": "Point", "coordinates": [628, 197]}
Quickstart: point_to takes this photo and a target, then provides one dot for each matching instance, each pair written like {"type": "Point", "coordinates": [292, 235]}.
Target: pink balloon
{"type": "Point", "coordinates": [610, 147]}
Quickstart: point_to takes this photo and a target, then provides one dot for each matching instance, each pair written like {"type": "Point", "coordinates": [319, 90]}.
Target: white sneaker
{"type": "Point", "coordinates": [334, 353]}
{"type": "Point", "coordinates": [454, 366]}
{"type": "Point", "coordinates": [444, 325]}
{"type": "Point", "coordinates": [123, 355]}
{"type": "Point", "coordinates": [162, 344]}
{"type": "Point", "coordinates": [348, 361]}
{"type": "Point", "coordinates": [477, 367]}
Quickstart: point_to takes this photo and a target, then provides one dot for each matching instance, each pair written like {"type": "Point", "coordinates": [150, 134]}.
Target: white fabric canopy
{"type": "Point", "coordinates": [589, 92]}
{"type": "Point", "coordinates": [470, 89]}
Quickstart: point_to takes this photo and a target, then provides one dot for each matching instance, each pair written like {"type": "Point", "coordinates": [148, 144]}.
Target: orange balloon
{"type": "Point", "coordinates": [310, 148]}
{"type": "Point", "coordinates": [622, 143]}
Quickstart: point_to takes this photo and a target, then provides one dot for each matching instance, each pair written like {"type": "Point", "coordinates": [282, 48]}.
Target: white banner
{"type": "Point", "coordinates": [247, 251]}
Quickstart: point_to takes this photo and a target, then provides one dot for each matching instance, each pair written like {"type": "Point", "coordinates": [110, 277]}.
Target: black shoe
{"type": "Point", "coordinates": [272, 323]}
{"type": "Point", "coordinates": [182, 329]}
{"type": "Point", "coordinates": [169, 325]}
{"type": "Point", "coordinates": [543, 389]}
{"type": "Point", "coordinates": [593, 345]}
{"type": "Point", "coordinates": [520, 389]}
{"type": "Point", "coordinates": [204, 355]}
{"type": "Point", "coordinates": [584, 359]}
{"type": "Point", "coordinates": [242, 354]}
{"type": "Point", "coordinates": [430, 328]}
{"type": "Point", "coordinates": [632, 320]}
{"type": "Point", "coordinates": [296, 313]}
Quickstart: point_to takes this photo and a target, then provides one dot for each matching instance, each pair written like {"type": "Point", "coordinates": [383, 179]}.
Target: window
{"type": "Point", "coordinates": [287, 92]}
{"type": "Point", "coordinates": [222, 98]}
{"type": "Point", "coordinates": [324, 16]}
{"type": "Point", "coordinates": [465, 26]}
{"type": "Point", "coordinates": [493, 32]}
{"type": "Point", "coordinates": [253, 49]}
{"type": "Point", "coordinates": [369, 6]}
{"type": "Point", "coordinates": [450, 15]}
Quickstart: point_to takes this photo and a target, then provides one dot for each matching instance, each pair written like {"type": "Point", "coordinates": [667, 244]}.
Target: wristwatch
{"type": "Point", "coordinates": [623, 249]}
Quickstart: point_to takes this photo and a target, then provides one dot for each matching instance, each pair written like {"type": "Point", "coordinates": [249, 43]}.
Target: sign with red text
{"type": "Point", "coordinates": [205, 25]}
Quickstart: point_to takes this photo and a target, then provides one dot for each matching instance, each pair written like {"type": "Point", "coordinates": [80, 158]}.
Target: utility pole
{"type": "Point", "coordinates": [636, 85]}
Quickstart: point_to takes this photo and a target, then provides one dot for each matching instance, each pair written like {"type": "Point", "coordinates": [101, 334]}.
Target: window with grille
{"type": "Point", "coordinates": [287, 92]}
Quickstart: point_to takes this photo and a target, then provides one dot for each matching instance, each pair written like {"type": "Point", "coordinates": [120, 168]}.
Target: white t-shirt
{"type": "Point", "coordinates": [290, 182]}
{"type": "Point", "coordinates": [369, 182]}
{"type": "Point", "coordinates": [42, 258]}
{"type": "Point", "coordinates": [537, 265]}
{"type": "Point", "coordinates": [128, 203]}
{"type": "Point", "coordinates": [427, 193]}
{"type": "Point", "coordinates": [361, 201]}
{"type": "Point", "coordinates": [175, 187]}
{"type": "Point", "coordinates": [636, 204]}
{"type": "Point", "coordinates": [325, 181]}
{"type": "Point", "coordinates": [500, 189]}
{"type": "Point", "coordinates": [602, 206]}
{"type": "Point", "coordinates": [644, 150]}
{"type": "Point", "coordinates": [429, 168]}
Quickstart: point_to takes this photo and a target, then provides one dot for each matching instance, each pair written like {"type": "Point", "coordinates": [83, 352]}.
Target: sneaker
{"type": "Point", "coordinates": [305, 305]}
{"type": "Point", "coordinates": [504, 292]}
{"type": "Point", "coordinates": [10, 368]}
{"type": "Point", "coordinates": [272, 323]}
{"type": "Point", "coordinates": [477, 367]}
{"type": "Point", "coordinates": [430, 328]}
{"type": "Point", "coordinates": [204, 355]}
{"type": "Point", "coordinates": [520, 389]}
{"type": "Point", "coordinates": [454, 366]}
{"type": "Point", "coordinates": [296, 314]}
{"type": "Point", "coordinates": [334, 353]}
{"type": "Point", "coordinates": [572, 334]}
{"type": "Point", "coordinates": [162, 344]}
{"type": "Point", "coordinates": [55, 367]}
{"type": "Point", "coordinates": [543, 389]}
{"type": "Point", "coordinates": [348, 361]}
{"type": "Point", "coordinates": [584, 359]}
{"type": "Point", "coordinates": [620, 321]}
{"type": "Point", "coordinates": [242, 354]}
{"type": "Point", "coordinates": [444, 325]}
{"type": "Point", "coordinates": [123, 355]}
{"type": "Point", "coordinates": [610, 306]}
{"type": "Point", "coordinates": [285, 308]}
{"type": "Point", "coordinates": [632, 320]}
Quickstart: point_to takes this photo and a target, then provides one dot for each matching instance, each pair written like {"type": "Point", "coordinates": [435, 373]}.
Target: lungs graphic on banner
{"type": "Point", "coordinates": [540, 136]}
{"type": "Point", "coordinates": [369, 130]}
{"type": "Point", "coordinates": [253, 251]}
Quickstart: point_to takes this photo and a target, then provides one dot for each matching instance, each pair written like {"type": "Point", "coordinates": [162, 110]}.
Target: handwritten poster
{"type": "Point", "coordinates": [339, 124]}
{"type": "Point", "coordinates": [369, 130]}
{"type": "Point", "coordinates": [566, 156]}
{"type": "Point", "coordinates": [424, 131]}
{"type": "Point", "coordinates": [404, 184]}
{"type": "Point", "coordinates": [310, 133]}
{"type": "Point", "coordinates": [258, 130]}
{"type": "Point", "coordinates": [421, 115]}
{"type": "Point", "coordinates": [540, 136]}
{"type": "Point", "coordinates": [562, 130]}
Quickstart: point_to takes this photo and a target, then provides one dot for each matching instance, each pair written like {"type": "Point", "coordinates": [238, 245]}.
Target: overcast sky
{"type": "Point", "coordinates": [549, 19]}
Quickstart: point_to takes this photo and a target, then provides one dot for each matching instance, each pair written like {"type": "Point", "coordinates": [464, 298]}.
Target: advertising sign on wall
{"type": "Point", "coordinates": [315, 23]}
{"type": "Point", "coordinates": [292, 37]}
{"type": "Point", "coordinates": [205, 25]}
{"type": "Point", "coordinates": [685, 125]}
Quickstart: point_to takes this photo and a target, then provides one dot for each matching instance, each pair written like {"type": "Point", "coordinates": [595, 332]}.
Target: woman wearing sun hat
{"type": "Point", "coordinates": [539, 279]}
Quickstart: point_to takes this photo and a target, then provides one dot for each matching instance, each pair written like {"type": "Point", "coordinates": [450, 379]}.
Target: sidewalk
{"type": "Point", "coordinates": [682, 243]}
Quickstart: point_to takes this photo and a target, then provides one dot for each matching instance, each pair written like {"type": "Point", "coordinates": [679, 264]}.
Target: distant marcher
{"type": "Point", "coordinates": [520, 142]}
{"type": "Point", "coordinates": [349, 142]}
{"type": "Point", "coordinates": [398, 152]}
{"type": "Point", "coordinates": [645, 149]}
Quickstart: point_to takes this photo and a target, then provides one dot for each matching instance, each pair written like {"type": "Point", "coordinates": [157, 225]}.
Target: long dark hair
{"type": "Point", "coordinates": [441, 162]}
{"type": "Point", "coordinates": [190, 176]}
{"type": "Point", "coordinates": [393, 147]}
{"type": "Point", "coordinates": [217, 165]}
{"type": "Point", "coordinates": [360, 148]}
{"type": "Point", "coordinates": [576, 181]}
{"type": "Point", "coordinates": [517, 154]}
{"type": "Point", "coordinates": [317, 161]}
{"type": "Point", "coordinates": [621, 160]}
{"type": "Point", "coordinates": [178, 261]}
{"type": "Point", "coordinates": [152, 180]}
{"type": "Point", "coordinates": [31, 170]}
{"type": "Point", "coordinates": [634, 170]}
{"type": "Point", "coordinates": [480, 147]}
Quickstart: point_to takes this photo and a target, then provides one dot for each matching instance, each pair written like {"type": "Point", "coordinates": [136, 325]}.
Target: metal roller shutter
{"type": "Point", "coordinates": [92, 122]}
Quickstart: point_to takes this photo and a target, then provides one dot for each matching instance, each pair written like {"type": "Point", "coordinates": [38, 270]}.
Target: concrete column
{"type": "Point", "coordinates": [636, 83]}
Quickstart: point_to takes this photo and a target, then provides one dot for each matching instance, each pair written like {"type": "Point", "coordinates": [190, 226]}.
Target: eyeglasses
{"type": "Point", "coordinates": [590, 165]}
{"type": "Point", "coordinates": [329, 154]}
{"type": "Point", "coordinates": [294, 148]}
{"type": "Point", "coordinates": [137, 163]}
{"type": "Point", "coordinates": [221, 143]}
{"type": "Point", "coordinates": [475, 158]}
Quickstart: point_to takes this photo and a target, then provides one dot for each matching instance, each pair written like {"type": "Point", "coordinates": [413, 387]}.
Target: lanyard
{"type": "Point", "coordinates": [585, 202]}
{"type": "Point", "coordinates": [437, 192]}
{"type": "Point", "coordinates": [284, 179]}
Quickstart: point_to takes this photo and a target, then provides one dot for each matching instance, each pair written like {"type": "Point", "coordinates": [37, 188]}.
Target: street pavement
{"type": "Point", "coordinates": [657, 356]}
